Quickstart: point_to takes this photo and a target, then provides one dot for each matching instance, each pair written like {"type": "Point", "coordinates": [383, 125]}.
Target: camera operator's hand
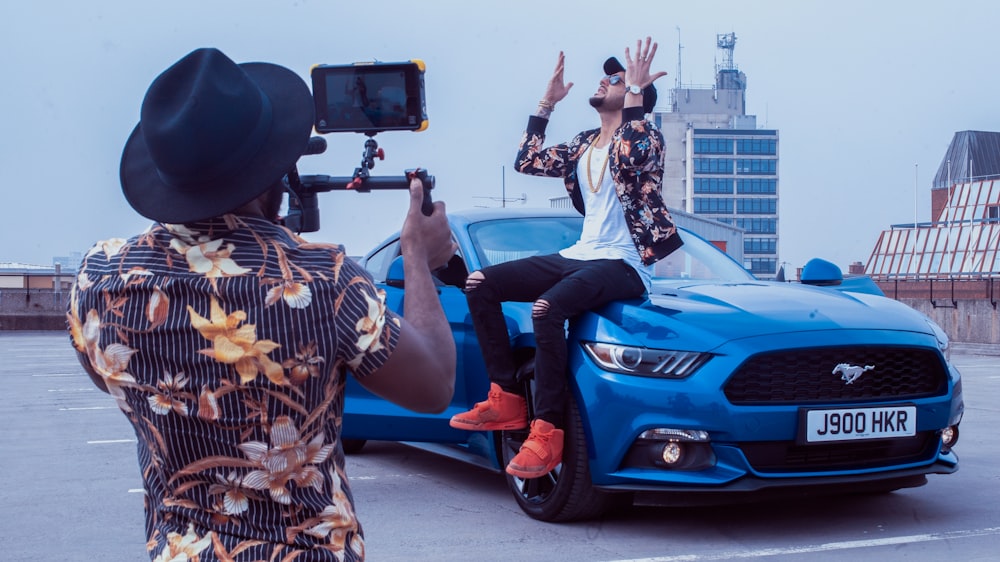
{"type": "Point", "coordinates": [426, 239]}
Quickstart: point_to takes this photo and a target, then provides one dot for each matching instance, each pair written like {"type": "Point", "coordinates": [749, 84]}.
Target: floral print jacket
{"type": "Point", "coordinates": [636, 168]}
{"type": "Point", "coordinates": [226, 344]}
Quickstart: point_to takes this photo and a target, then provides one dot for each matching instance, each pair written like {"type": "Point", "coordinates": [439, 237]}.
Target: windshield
{"type": "Point", "coordinates": [499, 241]}
{"type": "Point", "coordinates": [502, 240]}
{"type": "Point", "coordinates": [699, 259]}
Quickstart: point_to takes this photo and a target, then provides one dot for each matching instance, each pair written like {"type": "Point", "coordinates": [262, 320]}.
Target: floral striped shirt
{"type": "Point", "coordinates": [226, 344]}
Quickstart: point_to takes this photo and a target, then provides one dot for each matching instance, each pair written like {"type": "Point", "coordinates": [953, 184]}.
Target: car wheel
{"type": "Point", "coordinates": [566, 493]}
{"type": "Point", "coordinates": [353, 446]}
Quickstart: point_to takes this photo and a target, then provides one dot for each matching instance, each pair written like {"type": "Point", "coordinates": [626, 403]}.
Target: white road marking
{"type": "Point", "coordinates": [107, 441]}
{"type": "Point", "coordinates": [88, 408]}
{"type": "Point", "coordinates": [828, 547]}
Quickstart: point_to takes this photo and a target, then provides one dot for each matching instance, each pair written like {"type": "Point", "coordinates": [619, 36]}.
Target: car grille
{"type": "Point", "coordinates": [806, 376]}
{"type": "Point", "coordinates": [786, 456]}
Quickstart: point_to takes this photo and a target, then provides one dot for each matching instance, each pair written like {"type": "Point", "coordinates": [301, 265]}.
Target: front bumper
{"type": "Point", "coordinates": [616, 409]}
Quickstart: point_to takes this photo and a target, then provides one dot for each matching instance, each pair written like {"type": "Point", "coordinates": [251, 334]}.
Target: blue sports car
{"type": "Point", "coordinates": [714, 386]}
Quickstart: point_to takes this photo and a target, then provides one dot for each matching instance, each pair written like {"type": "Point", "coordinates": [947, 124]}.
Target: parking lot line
{"type": "Point", "coordinates": [76, 409]}
{"type": "Point", "coordinates": [828, 547]}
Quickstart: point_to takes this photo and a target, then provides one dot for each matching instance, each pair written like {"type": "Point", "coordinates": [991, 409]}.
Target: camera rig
{"type": "Point", "coordinates": [303, 203]}
{"type": "Point", "coordinates": [367, 98]}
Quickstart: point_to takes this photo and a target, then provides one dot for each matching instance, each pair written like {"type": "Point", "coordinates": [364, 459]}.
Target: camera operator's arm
{"type": "Point", "coordinates": [420, 372]}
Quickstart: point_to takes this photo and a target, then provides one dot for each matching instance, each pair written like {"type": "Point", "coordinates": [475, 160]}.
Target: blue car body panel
{"type": "Point", "coordinates": [735, 323]}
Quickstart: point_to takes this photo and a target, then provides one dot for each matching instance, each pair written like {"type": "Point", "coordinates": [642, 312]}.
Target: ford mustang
{"type": "Point", "coordinates": [714, 386]}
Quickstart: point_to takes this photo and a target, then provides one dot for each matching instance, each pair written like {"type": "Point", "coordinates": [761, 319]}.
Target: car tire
{"type": "Point", "coordinates": [566, 493]}
{"type": "Point", "coordinates": [353, 446]}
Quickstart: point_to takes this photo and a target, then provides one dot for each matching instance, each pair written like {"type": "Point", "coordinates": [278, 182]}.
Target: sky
{"type": "Point", "coordinates": [866, 97]}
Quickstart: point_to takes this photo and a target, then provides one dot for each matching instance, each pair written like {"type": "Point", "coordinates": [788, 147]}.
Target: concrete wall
{"type": "Point", "coordinates": [27, 309]}
{"type": "Point", "coordinates": [970, 322]}
{"type": "Point", "coordinates": [965, 308]}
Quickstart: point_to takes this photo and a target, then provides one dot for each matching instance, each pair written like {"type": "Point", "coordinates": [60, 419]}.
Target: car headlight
{"type": "Point", "coordinates": [643, 361]}
{"type": "Point", "coordinates": [941, 337]}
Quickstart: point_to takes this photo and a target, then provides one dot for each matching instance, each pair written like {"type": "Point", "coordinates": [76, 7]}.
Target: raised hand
{"type": "Point", "coordinates": [557, 87]}
{"type": "Point", "coordinates": [637, 69]}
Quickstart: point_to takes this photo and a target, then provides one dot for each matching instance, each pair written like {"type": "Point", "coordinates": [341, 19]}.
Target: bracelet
{"type": "Point", "coordinates": [546, 104]}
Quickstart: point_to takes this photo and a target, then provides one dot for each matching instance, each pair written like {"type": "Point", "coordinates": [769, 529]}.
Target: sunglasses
{"type": "Point", "coordinates": [614, 79]}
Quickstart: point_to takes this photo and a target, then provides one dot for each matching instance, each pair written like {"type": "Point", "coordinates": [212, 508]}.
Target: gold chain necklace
{"type": "Point", "coordinates": [604, 167]}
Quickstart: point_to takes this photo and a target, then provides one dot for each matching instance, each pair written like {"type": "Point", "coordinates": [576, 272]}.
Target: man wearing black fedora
{"type": "Point", "coordinates": [612, 175]}
{"type": "Point", "coordinates": [226, 339]}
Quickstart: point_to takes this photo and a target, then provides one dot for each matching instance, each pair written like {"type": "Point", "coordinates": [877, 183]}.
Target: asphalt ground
{"type": "Point", "coordinates": [72, 491]}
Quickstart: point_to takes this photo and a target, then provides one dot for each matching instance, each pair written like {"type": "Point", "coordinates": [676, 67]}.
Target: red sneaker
{"type": "Point", "coordinates": [540, 452]}
{"type": "Point", "coordinates": [500, 410]}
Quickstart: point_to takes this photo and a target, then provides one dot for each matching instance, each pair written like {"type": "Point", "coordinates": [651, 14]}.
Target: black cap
{"type": "Point", "coordinates": [612, 66]}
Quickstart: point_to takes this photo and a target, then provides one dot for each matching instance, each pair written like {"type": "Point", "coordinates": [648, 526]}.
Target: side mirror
{"type": "Point", "coordinates": [821, 272]}
{"type": "Point", "coordinates": [394, 277]}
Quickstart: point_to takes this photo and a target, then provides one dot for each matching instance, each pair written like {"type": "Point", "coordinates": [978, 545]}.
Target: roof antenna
{"type": "Point", "coordinates": [679, 47]}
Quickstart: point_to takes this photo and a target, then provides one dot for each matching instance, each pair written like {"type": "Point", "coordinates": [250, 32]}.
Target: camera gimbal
{"type": "Point", "coordinates": [303, 205]}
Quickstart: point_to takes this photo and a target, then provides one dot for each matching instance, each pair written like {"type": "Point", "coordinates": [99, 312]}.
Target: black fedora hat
{"type": "Point", "coordinates": [612, 66]}
{"type": "Point", "coordinates": [213, 135]}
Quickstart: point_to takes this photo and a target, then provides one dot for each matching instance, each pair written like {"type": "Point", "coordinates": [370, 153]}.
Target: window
{"type": "Point", "coordinates": [713, 165]}
{"type": "Point", "coordinates": [499, 241]}
{"type": "Point", "coordinates": [713, 205]}
{"type": "Point", "coordinates": [757, 146]}
{"type": "Point", "coordinates": [760, 246]}
{"type": "Point", "coordinates": [713, 146]}
{"type": "Point", "coordinates": [761, 265]}
{"type": "Point", "coordinates": [758, 206]}
{"type": "Point", "coordinates": [757, 185]}
{"type": "Point", "coordinates": [756, 166]}
{"type": "Point", "coordinates": [713, 185]}
{"type": "Point", "coordinates": [378, 263]}
{"type": "Point", "coordinates": [758, 226]}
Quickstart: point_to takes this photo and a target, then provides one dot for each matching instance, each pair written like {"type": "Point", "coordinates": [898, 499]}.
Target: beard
{"type": "Point", "coordinates": [607, 103]}
{"type": "Point", "coordinates": [273, 199]}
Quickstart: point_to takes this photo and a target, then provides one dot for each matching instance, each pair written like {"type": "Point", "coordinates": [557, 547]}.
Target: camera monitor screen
{"type": "Point", "coordinates": [369, 97]}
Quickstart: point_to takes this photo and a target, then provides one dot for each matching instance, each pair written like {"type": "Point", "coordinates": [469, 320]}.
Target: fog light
{"type": "Point", "coordinates": [671, 449]}
{"type": "Point", "coordinates": [949, 436]}
{"type": "Point", "coordinates": [672, 452]}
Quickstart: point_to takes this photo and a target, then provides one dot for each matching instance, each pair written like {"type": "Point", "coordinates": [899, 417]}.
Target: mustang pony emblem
{"type": "Point", "coordinates": [850, 373]}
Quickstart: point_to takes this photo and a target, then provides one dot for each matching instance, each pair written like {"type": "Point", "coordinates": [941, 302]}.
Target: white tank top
{"type": "Point", "coordinates": [605, 232]}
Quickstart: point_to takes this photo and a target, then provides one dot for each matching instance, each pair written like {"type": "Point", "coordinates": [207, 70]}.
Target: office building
{"type": "Point", "coordinates": [719, 165]}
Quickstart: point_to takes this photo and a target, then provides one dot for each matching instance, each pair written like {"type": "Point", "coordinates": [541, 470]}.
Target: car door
{"type": "Point", "coordinates": [367, 416]}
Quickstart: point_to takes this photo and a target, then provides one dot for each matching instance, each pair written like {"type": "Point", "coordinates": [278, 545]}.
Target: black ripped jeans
{"type": "Point", "coordinates": [569, 287]}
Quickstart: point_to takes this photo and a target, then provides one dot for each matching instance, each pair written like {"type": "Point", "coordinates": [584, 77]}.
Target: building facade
{"type": "Point", "coordinates": [962, 239]}
{"type": "Point", "coordinates": [718, 165]}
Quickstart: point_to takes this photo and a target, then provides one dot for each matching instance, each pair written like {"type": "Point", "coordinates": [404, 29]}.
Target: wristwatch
{"type": "Point", "coordinates": [634, 89]}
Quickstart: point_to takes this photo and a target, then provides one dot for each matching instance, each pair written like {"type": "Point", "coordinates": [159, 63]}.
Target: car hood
{"type": "Point", "coordinates": [706, 314]}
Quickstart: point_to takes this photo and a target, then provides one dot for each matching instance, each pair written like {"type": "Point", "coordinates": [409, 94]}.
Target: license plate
{"type": "Point", "coordinates": [847, 424]}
